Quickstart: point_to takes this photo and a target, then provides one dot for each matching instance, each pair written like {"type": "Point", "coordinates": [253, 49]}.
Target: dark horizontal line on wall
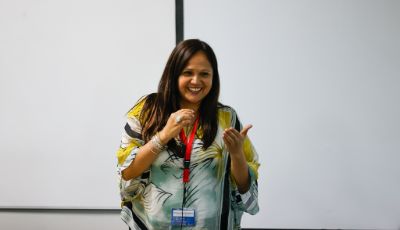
{"type": "Point", "coordinates": [60, 210]}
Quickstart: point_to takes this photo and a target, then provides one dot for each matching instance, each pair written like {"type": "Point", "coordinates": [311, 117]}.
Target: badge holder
{"type": "Point", "coordinates": [185, 217]}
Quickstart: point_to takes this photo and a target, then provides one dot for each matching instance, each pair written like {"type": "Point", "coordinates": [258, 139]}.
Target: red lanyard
{"type": "Point", "coordinates": [188, 151]}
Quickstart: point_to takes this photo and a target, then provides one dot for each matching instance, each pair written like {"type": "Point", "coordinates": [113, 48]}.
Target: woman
{"type": "Point", "coordinates": [183, 150]}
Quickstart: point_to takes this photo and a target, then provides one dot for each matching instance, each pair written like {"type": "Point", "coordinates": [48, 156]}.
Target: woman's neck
{"type": "Point", "coordinates": [194, 107]}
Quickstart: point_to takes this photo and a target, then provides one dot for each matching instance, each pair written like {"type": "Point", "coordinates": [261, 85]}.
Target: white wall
{"type": "Point", "coordinates": [320, 82]}
{"type": "Point", "coordinates": [69, 70]}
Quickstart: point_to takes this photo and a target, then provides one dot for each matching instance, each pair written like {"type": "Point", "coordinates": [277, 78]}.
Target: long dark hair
{"type": "Point", "coordinates": [159, 106]}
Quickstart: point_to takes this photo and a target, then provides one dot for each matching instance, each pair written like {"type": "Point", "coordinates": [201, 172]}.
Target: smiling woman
{"type": "Point", "coordinates": [184, 159]}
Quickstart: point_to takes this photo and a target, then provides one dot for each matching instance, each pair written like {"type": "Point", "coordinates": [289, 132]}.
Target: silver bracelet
{"type": "Point", "coordinates": [156, 141]}
{"type": "Point", "coordinates": [155, 152]}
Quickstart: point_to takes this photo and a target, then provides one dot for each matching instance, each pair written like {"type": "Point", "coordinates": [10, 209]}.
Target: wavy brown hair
{"type": "Point", "coordinates": [159, 106]}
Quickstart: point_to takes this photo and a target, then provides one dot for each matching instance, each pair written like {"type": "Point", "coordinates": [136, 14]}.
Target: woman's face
{"type": "Point", "coordinates": [195, 81]}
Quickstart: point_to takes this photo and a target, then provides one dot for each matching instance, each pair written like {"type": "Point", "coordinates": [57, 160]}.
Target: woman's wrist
{"type": "Point", "coordinates": [238, 155]}
{"type": "Point", "coordinates": [163, 138]}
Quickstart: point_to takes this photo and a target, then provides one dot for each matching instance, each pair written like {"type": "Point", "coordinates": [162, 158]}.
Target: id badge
{"type": "Point", "coordinates": [185, 217]}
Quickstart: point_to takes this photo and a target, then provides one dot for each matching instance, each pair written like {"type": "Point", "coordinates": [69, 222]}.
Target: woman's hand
{"type": "Point", "coordinates": [176, 121]}
{"type": "Point", "coordinates": [234, 143]}
{"type": "Point", "coordinates": [234, 140]}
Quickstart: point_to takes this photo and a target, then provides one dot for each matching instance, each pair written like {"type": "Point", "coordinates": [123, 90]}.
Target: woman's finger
{"type": "Point", "coordinates": [186, 122]}
{"type": "Point", "coordinates": [234, 133]}
{"type": "Point", "coordinates": [227, 139]}
{"type": "Point", "coordinates": [186, 111]}
{"type": "Point", "coordinates": [245, 130]}
{"type": "Point", "coordinates": [232, 138]}
{"type": "Point", "coordinates": [228, 132]}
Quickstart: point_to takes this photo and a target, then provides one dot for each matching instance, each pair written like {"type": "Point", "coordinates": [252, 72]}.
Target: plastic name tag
{"type": "Point", "coordinates": [185, 217]}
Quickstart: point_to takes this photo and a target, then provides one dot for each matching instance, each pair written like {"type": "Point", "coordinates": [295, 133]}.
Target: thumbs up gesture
{"type": "Point", "coordinates": [234, 139]}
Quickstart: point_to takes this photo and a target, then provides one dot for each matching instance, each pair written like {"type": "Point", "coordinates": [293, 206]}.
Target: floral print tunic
{"type": "Point", "coordinates": [147, 200]}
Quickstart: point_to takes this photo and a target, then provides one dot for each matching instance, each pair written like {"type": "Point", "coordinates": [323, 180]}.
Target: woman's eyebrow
{"type": "Point", "coordinates": [201, 70]}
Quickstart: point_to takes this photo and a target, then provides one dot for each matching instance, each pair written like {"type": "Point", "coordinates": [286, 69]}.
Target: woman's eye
{"type": "Point", "coordinates": [204, 74]}
{"type": "Point", "coordinates": [187, 73]}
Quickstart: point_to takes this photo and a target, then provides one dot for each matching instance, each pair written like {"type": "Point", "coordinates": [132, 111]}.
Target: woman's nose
{"type": "Point", "coordinates": [195, 79]}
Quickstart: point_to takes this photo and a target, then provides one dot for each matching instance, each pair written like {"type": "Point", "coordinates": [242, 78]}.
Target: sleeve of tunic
{"type": "Point", "coordinates": [247, 202]}
{"type": "Point", "coordinates": [130, 142]}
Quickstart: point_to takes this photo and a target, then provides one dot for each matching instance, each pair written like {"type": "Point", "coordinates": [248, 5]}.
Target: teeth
{"type": "Point", "coordinates": [194, 89]}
